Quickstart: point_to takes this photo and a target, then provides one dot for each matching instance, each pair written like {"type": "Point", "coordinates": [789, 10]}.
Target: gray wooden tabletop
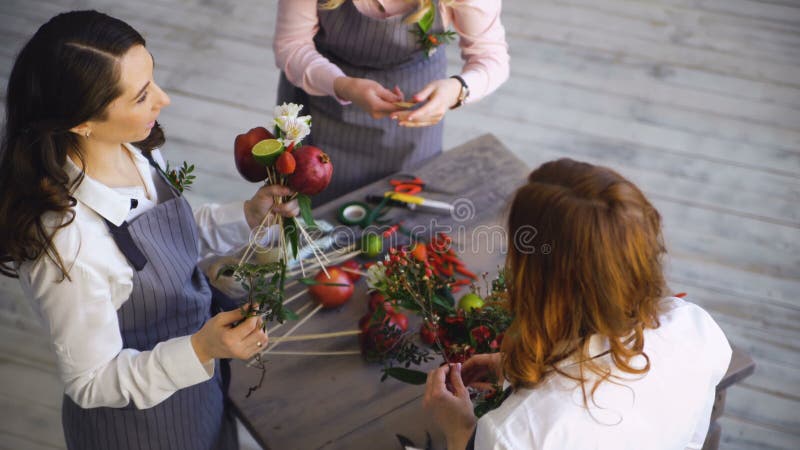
{"type": "Point", "coordinates": [339, 401]}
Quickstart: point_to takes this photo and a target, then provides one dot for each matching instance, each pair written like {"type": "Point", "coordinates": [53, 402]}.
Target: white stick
{"type": "Point", "coordinates": [295, 296]}
{"type": "Point", "coordinates": [334, 261]}
{"type": "Point", "coordinates": [309, 337]}
{"type": "Point", "coordinates": [291, 330]}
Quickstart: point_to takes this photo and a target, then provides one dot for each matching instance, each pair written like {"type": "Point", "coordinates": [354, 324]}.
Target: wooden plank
{"type": "Point", "coordinates": [545, 93]}
{"type": "Point", "coordinates": [36, 426]}
{"type": "Point", "coordinates": [532, 28]}
{"type": "Point", "coordinates": [12, 442]}
{"type": "Point", "coordinates": [742, 434]}
{"type": "Point", "coordinates": [676, 27]}
{"type": "Point", "coordinates": [712, 182]}
{"type": "Point", "coordinates": [638, 81]}
{"type": "Point", "coordinates": [621, 131]}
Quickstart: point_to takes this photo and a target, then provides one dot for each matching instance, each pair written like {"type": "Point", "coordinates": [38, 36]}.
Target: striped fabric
{"type": "Point", "coordinates": [364, 149]}
{"type": "Point", "coordinates": [170, 298]}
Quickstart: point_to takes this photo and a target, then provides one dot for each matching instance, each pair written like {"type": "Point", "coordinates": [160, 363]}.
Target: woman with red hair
{"type": "Point", "coordinates": [597, 356]}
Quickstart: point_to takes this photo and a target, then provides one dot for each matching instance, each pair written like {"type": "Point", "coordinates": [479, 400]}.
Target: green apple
{"type": "Point", "coordinates": [470, 301]}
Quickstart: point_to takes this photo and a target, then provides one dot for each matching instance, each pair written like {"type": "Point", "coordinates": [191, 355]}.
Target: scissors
{"type": "Point", "coordinates": [405, 183]}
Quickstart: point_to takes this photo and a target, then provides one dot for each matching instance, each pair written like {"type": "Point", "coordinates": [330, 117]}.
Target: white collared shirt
{"type": "Point", "coordinates": [667, 408]}
{"type": "Point", "coordinates": [81, 313]}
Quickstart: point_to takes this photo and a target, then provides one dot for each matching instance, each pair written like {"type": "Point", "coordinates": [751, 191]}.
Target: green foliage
{"type": "Point", "coordinates": [292, 234]}
{"type": "Point", "coordinates": [182, 177]}
{"type": "Point", "coordinates": [304, 201]}
{"type": "Point", "coordinates": [264, 286]}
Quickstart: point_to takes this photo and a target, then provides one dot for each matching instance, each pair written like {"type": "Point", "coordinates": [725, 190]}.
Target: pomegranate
{"type": "Point", "coordinates": [313, 171]}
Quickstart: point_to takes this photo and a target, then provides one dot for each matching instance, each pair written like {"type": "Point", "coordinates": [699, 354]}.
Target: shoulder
{"type": "Point", "coordinates": [685, 322]}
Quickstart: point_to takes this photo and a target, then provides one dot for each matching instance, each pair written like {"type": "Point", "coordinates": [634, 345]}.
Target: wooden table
{"type": "Point", "coordinates": [338, 402]}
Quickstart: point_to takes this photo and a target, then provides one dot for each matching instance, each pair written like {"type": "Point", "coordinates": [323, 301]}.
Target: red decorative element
{"type": "Point", "coordinates": [313, 172]}
{"type": "Point", "coordinates": [286, 164]}
{"type": "Point", "coordinates": [332, 296]}
{"type": "Point", "coordinates": [250, 169]}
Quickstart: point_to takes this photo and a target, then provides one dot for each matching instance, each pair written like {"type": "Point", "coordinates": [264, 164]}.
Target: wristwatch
{"type": "Point", "coordinates": [462, 96]}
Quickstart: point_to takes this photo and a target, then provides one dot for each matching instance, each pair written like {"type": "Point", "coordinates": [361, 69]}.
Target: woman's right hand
{"type": "Point", "coordinates": [368, 95]}
{"type": "Point", "coordinates": [483, 371]}
{"type": "Point", "coordinates": [217, 339]}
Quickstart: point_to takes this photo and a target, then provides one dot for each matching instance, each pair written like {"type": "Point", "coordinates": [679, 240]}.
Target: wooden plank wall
{"type": "Point", "coordinates": [697, 101]}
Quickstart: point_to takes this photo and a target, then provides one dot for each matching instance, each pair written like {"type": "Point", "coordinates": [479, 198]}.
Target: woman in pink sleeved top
{"type": "Point", "coordinates": [351, 61]}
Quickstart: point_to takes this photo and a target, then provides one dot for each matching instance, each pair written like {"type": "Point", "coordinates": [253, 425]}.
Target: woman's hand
{"type": "Point", "coordinates": [483, 371]}
{"type": "Point", "coordinates": [438, 96]}
{"type": "Point", "coordinates": [262, 201]}
{"type": "Point", "coordinates": [368, 95]}
{"type": "Point", "coordinates": [219, 339]}
{"type": "Point", "coordinates": [452, 411]}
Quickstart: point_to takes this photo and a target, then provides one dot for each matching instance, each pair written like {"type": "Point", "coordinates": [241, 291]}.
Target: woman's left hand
{"type": "Point", "coordinates": [263, 200]}
{"type": "Point", "coordinates": [438, 96]}
{"type": "Point", "coordinates": [451, 408]}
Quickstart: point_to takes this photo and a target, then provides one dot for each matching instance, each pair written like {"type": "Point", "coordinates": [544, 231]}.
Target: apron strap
{"type": "Point", "coordinates": [124, 240]}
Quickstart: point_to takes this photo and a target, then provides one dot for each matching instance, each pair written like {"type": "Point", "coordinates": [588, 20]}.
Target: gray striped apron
{"type": "Point", "coordinates": [364, 149]}
{"type": "Point", "coordinates": [170, 298]}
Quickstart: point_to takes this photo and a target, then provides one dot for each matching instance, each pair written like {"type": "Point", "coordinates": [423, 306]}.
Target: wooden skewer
{"type": "Point", "coordinates": [291, 330]}
{"type": "Point", "coordinates": [295, 296]}
{"type": "Point", "coordinates": [342, 258]}
{"type": "Point", "coordinates": [311, 353]}
{"type": "Point", "coordinates": [358, 272]}
{"type": "Point", "coordinates": [308, 337]}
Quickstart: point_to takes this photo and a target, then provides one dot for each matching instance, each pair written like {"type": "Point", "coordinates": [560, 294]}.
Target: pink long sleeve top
{"type": "Point", "coordinates": [481, 40]}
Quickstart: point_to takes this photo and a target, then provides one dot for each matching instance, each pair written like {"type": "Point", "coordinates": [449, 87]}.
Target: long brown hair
{"type": "Point", "coordinates": [596, 269]}
{"type": "Point", "coordinates": [67, 74]}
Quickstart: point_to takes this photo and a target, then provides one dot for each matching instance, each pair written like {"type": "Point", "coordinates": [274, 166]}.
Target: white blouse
{"type": "Point", "coordinates": [668, 408]}
{"type": "Point", "coordinates": [81, 313]}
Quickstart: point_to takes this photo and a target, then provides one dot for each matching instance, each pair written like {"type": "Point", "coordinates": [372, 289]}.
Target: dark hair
{"type": "Point", "coordinates": [67, 74]}
{"type": "Point", "coordinates": [601, 275]}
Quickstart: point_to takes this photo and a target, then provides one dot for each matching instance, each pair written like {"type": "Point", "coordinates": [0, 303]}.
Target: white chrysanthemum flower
{"type": "Point", "coordinates": [294, 129]}
{"type": "Point", "coordinates": [431, 51]}
{"type": "Point", "coordinates": [376, 276]}
{"type": "Point", "coordinates": [287, 110]}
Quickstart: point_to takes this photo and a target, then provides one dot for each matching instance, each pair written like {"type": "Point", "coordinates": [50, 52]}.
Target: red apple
{"type": "Point", "coordinates": [332, 296]}
{"type": "Point", "coordinates": [247, 166]}
{"type": "Point", "coordinates": [352, 264]}
{"type": "Point", "coordinates": [313, 171]}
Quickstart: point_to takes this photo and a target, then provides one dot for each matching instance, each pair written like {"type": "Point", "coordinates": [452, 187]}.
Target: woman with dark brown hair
{"type": "Point", "coordinates": [596, 357]}
{"type": "Point", "coordinates": [106, 248]}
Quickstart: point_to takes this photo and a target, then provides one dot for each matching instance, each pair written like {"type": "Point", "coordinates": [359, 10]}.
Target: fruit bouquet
{"type": "Point", "coordinates": [278, 157]}
{"type": "Point", "coordinates": [409, 280]}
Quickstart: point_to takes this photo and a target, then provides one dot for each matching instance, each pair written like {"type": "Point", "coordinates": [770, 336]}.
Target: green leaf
{"type": "Point", "coordinates": [426, 22]}
{"type": "Point", "coordinates": [304, 201]}
{"type": "Point", "coordinates": [313, 282]}
{"type": "Point", "coordinates": [292, 233]}
{"type": "Point", "coordinates": [409, 376]}
{"type": "Point", "coordinates": [288, 314]}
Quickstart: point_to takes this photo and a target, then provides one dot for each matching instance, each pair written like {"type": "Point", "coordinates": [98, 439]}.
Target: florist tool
{"type": "Point", "coordinates": [359, 213]}
{"type": "Point", "coordinates": [411, 184]}
{"type": "Point", "coordinates": [420, 202]}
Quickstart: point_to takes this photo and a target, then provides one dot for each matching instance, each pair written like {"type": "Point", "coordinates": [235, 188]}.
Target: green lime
{"type": "Point", "coordinates": [267, 151]}
{"type": "Point", "coordinates": [470, 302]}
{"type": "Point", "coordinates": [371, 245]}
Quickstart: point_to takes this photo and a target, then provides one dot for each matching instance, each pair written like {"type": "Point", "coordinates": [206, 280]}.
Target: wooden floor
{"type": "Point", "coordinates": [697, 101]}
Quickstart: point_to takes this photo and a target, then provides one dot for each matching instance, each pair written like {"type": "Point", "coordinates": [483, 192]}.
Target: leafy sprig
{"type": "Point", "coordinates": [181, 177]}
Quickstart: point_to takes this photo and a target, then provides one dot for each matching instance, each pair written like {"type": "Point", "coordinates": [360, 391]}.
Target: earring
{"type": "Point", "coordinates": [88, 132]}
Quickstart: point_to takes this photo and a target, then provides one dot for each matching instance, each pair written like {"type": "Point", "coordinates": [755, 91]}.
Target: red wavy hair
{"type": "Point", "coordinates": [596, 268]}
